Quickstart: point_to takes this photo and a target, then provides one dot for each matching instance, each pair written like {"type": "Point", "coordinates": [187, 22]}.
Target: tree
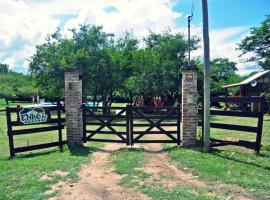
{"type": "Point", "coordinates": [16, 86]}
{"type": "Point", "coordinates": [122, 56]}
{"type": "Point", "coordinates": [258, 44]}
{"type": "Point", "coordinates": [3, 68]}
{"type": "Point", "coordinates": [87, 49]}
{"type": "Point", "coordinates": [223, 72]}
{"type": "Point", "coordinates": [111, 66]}
{"type": "Point", "coordinates": [157, 66]}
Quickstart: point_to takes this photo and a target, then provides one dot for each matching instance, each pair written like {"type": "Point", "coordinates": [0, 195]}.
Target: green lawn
{"type": "Point", "coordinates": [128, 163]}
{"type": "Point", "coordinates": [231, 164]}
{"type": "Point", "coordinates": [20, 176]}
{"type": "Point", "coordinates": [221, 134]}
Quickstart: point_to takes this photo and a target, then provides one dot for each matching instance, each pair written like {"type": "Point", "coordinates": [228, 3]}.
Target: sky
{"type": "Point", "coordinates": [26, 23]}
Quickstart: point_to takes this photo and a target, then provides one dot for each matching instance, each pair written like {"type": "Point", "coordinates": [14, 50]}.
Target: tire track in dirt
{"type": "Point", "coordinates": [159, 164]}
{"type": "Point", "coordinates": [97, 181]}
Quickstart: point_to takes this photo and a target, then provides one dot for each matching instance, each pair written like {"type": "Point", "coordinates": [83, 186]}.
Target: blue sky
{"type": "Point", "coordinates": [25, 23]}
{"type": "Point", "coordinates": [227, 13]}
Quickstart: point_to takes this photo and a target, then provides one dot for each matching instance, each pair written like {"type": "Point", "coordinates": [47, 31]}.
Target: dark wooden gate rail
{"type": "Point", "coordinates": [128, 115]}
{"type": "Point", "coordinates": [16, 123]}
{"type": "Point", "coordinates": [258, 129]}
{"type": "Point", "coordinates": [169, 112]}
{"type": "Point", "coordinates": [105, 121]}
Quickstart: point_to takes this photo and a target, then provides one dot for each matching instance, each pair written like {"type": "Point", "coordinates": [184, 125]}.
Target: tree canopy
{"type": "Point", "coordinates": [123, 66]}
{"type": "Point", "coordinates": [15, 85]}
{"type": "Point", "coordinates": [112, 65]}
{"type": "Point", "coordinates": [258, 44]}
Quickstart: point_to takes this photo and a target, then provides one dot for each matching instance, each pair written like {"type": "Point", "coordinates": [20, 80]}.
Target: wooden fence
{"type": "Point", "coordinates": [252, 129]}
{"type": "Point", "coordinates": [51, 124]}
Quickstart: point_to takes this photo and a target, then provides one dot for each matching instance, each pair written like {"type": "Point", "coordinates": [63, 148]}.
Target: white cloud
{"type": "Point", "coordinates": [21, 27]}
{"type": "Point", "coordinates": [136, 15]}
{"type": "Point", "coordinates": [25, 23]}
{"type": "Point", "coordinates": [224, 44]}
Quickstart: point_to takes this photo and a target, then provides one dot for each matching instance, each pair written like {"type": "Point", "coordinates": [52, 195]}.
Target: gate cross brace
{"type": "Point", "coordinates": [106, 124]}
{"type": "Point", "coordinates": [154, 124]}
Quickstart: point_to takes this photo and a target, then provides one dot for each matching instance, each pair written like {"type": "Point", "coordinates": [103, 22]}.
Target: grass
{"type": "Point", "coordinates": [247, 170]}
{"type": "Point", "coordinates": [129, 162]}
{"type": "Point", "coordinates": [231, 164]}
{"type": "Point", "coordinates": [221, 134]}
{"type": "Point", "coordinates": [20, 176]}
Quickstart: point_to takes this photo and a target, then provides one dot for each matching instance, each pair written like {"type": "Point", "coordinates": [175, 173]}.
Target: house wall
{"type": "Point", "coordinates": [263, 85]}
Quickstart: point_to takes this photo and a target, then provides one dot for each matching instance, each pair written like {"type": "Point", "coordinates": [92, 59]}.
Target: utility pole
{"type": "Point", "coordinates": [189, 20]}
{"type": "Point", "coordinates": [206, 111]}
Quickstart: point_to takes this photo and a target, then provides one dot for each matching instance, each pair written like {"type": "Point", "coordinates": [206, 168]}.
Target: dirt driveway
{"type": "Point", "coordinates": [98, 181]}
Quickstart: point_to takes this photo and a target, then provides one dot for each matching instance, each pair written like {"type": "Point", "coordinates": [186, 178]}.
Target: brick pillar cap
{"type": "Point", "coordinates": [73, 69]}
{"type": "Point", "coordinates": [190, 68]}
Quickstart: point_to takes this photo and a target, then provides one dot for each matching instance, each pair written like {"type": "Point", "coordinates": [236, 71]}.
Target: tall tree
{"type": "Point", "coordinates": [16, 86]}
{"type": "Point", "coordinates": [222, 72]}
{"type": "Point", "coordinates": [158, 64]}
{"type": "Point", "coordinates": [87, 49]}
{"type": "Point", "coordinates": [110, 65]}
{"type": "Point", "coordinates": [122, 56]}
{"type": "Point", "coordinates": [4, 68]}
{"type": "Point", "coordinates": [258, 44]}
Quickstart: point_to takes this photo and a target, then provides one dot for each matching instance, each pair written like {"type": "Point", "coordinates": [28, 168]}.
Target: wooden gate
{"type": "Point", "coordinates": [131, 124]}
{"type": "Point", "coordinates": [147, 121]}
{"type": "Point", "coordinates": [96, 124]}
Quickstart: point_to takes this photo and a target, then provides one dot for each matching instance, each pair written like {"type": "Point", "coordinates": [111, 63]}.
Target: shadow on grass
{"type": "Point", "coordinates": [218, 153]}
{"type": "Point", "coordinates": [34, 154]}
{"type": "Point", "coordinates": [76, 151]}
{"type": "Point", "coordinates": [82, 150]}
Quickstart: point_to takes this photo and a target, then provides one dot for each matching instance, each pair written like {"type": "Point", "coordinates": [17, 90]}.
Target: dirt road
{"type": "Point", "coordinates": [97, 181]}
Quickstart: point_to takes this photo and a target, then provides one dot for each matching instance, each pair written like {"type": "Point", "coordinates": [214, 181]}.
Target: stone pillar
{"type": "Point", "coordinates": [73, 102]}
{"type": "Point", "coordinates": [189, 106]}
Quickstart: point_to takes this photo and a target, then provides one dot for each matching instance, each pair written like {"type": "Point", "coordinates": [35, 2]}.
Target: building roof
{"type": "Point", "coordinates": [248, 80]}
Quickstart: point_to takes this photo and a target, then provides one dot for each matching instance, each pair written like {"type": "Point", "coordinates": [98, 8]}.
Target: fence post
{"type": "Point", "coordinates": [60, 139]}
{"type": "Point", "coordinates": [73, 103]}
{"type": "Point", "coordinates": [260, 125]}
{"type": "Point", "coordinates": [128, 124]}
{"type": "Point", "coordinates": [178, 124]}
{"type": "Point", "coordinates": [9, 133]}
{"type": "Point", "coordinates": [189, 106]}
{"type": "Point", "coordinates": [131, 139]}
{"type": "Point", "coordinates": [84, 125]}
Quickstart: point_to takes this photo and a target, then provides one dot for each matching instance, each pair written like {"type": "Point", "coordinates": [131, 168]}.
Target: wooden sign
{"type": "Point", "coordinates": [33, 115]}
